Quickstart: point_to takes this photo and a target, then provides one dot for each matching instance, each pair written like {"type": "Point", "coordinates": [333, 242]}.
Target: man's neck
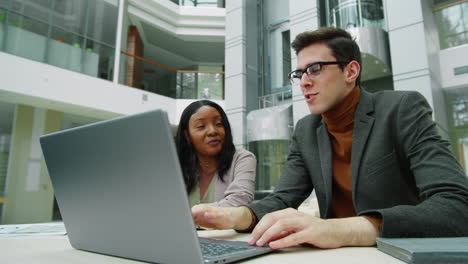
{"type": "Point", "coordinates": [342, 114]}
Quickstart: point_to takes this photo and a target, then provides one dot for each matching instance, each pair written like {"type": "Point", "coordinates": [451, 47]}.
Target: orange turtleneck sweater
{"type": "Point", "coordinates": [340, 124]}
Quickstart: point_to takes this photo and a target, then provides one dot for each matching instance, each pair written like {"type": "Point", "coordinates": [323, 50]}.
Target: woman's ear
{"type": "Point", "coordinates": [187, 137]}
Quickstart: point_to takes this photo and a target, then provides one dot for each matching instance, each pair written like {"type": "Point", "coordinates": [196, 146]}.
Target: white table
{"type": "Point", "coordinates": [57, 249]}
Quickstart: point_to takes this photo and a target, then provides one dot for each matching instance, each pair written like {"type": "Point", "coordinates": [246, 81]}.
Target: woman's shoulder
{"type": "Point", "coordinates": [241, 153]}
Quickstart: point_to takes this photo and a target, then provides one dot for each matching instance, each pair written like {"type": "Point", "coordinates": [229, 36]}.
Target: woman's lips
{"type": "Point", "coordinates": [214, 142]}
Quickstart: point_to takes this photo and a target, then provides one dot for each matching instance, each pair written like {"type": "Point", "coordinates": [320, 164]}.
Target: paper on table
{"type": "Point", "coordinates": [48, 229]}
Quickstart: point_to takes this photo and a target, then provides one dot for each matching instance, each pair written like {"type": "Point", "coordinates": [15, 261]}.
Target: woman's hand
{"type": "Point", "coordinates": [222, 217]}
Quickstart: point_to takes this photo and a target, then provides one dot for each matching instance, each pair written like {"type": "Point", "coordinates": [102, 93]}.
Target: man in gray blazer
{"type": "Point", "coordinates": [376, 162]}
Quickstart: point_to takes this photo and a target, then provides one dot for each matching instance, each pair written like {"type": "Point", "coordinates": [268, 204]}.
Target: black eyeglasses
{"type": "Point", "coordinates": [312, 70]}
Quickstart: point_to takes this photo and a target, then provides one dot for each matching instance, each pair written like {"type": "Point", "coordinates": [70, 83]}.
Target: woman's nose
{"type": "Point", "coordinates": [212, 130]}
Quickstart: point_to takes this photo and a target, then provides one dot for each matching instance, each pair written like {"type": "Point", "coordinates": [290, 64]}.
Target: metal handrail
{"type": "Point", "coordinates": [263, 100]}
{"type": "Point", "coordinates": [449, 5]}
{"type": "Point", "coordinates": [164, 66]}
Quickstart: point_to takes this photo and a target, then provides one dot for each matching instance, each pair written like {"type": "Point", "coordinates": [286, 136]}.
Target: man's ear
{"type": "Point", "coordinates": [352, 71]}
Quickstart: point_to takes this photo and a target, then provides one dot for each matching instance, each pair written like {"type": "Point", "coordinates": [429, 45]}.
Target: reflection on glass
{"type": "Point", "coordinates": [74, 35]}
{"type": "Point", "coordinates": [452, 24]}
{"type": "Point", "coordinates": [460, 112]}
{"type": "Point", "coordinates": [271, 157]}
{"type": "Point", "coordinates": [24, 37]}
{"type": "Point", "coordinates": [200, 85]}
{"type": "Point", "coordinates": [210, 86]}
{"type": "Point", "coordinates": [70, 15]}
{"type": "Point", "coordinates": [356, 13]}
{"type": "Point", "coordinates": [186, 85]}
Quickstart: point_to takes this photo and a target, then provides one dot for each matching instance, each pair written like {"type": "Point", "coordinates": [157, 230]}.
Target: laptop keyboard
{"type": "Point", "coordinates": [213, 248]}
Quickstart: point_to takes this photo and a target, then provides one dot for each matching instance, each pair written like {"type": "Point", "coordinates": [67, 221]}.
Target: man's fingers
{"type": "Point", "coordinates": [267, 221]}
{"type": "Point", "coordinates": [279, 229]}
{"type": "Point", "coordinates": [288, 241]}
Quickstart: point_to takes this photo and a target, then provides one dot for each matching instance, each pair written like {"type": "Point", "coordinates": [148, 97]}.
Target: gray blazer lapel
{"type": "Point", "coordinates": [325, 154]}
{"type": "Point", "coordinates": [362, 127]}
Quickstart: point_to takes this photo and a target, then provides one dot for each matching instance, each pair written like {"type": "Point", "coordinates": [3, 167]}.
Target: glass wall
{"type": "Point", "coordinates": [196, 82]}
{"type": "Point", "coordinates": [452, 22]}
{"type": "Point", "coordinates": [6, 125]}
{"type": "Point", "coordinates": [274, 52]}
{"type": "Point", "coordinates": [271, 158]}
{"type": "Point", "coordinates": [457, 108]}
{"type": "Point", "coordinates": [74, 35]}
{"type": "Point", "coordinates": [207, 82]}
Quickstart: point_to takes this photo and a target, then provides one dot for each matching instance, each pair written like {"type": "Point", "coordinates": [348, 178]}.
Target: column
{"type": "Point", "coordinates": [29, 194]}
{"type": "Point", "coordinates": [303, 16]}
{"type": "Point", "coordinates": [236, 70]}
{"type": "Point", "coordinates": [414, 48]}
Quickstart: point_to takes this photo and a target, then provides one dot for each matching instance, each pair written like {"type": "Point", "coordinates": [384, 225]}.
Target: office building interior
{"type": "Point", "coordinates": [66, 63]}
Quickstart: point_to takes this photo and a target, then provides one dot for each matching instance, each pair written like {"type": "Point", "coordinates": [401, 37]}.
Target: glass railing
{"type": "Point", "coordinates": [164, 80]}
{"type": "Point", "coordinates": [452, 24]}
{"type": "Point", "coordinates": [42, 41]}
{"type": "Point", "coordinates": [278, 96]}
{"type": "Point", "coordinates": [196, 3]}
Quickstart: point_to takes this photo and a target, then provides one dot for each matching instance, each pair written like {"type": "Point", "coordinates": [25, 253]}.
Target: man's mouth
{"type": "Point", "coordinates": [310, 96]}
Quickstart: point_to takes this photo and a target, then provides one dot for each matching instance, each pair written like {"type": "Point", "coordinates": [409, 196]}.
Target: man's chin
{"type": "Point", "coordinates": [315, 110]}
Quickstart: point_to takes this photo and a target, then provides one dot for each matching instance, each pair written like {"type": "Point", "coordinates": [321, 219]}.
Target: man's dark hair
{"type": "Point", "coordinates": [187, 153]}
{"type": "Point", "coordinates": [340, 42]}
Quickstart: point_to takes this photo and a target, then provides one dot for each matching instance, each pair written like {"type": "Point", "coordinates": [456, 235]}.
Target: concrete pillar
{"type": "Point", "coordinates": [236, 70]}
{"type": "Point", "coordinates": [29, 193]}
{"type": "Point", "coordinates": [303, 16]}
{"type": "Point", "coordinates": [414, 48]}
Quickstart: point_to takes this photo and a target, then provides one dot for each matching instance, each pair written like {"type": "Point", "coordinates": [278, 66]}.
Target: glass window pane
{"type": "Point", "coordinates": [28, 24]}
{"type": "Point", "coordinates": [102, 21]}
{"type": "Point", "coordinates": [25, 37]}
{"type": "Point", "coordinates": [70, 15]}
{"type": "Point", "coordinates": [38, 9]}
{"type": "Point", "coordinates": [5, 4]}
{"type": "Point", "coordinates": [452, 25]}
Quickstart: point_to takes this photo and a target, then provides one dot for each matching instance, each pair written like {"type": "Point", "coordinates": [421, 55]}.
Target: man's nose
{"type": "Point", "coordinates": [305, 80]}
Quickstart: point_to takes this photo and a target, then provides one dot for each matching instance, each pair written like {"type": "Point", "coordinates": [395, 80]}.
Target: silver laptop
{"type": "Point", "coordinates": [120, 191]}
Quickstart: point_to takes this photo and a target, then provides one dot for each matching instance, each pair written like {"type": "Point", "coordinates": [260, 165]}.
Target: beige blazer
{"type": "Point", "coordinates": [238, 187]}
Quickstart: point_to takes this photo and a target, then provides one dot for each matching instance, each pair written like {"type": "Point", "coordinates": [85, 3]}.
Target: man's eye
{"type": "Point", "coordinates": [314, 69]}
{"type": "Point", "coordinates": [297, 75]}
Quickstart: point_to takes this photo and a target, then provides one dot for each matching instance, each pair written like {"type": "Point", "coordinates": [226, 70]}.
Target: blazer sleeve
{"type": "Point", "coordinates": [241, 190]}
{"type": "Point", "coordinates": [294, 185]}
{"type": "Point", "coordinates": [440, 181]}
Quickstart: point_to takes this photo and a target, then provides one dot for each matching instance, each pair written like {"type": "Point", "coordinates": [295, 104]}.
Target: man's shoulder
{"type": "Point", "coordinates": [393, 96]}
{"type": "Point", "coordinates": [309, 119]}
{"type": "Point", "coordinates": [308, 123]}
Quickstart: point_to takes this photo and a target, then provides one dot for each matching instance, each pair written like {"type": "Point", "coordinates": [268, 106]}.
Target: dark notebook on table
{"type": "Point", "coordinates": [426, 250]}
{"type": "Point", "coordinates": [120, 191]}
